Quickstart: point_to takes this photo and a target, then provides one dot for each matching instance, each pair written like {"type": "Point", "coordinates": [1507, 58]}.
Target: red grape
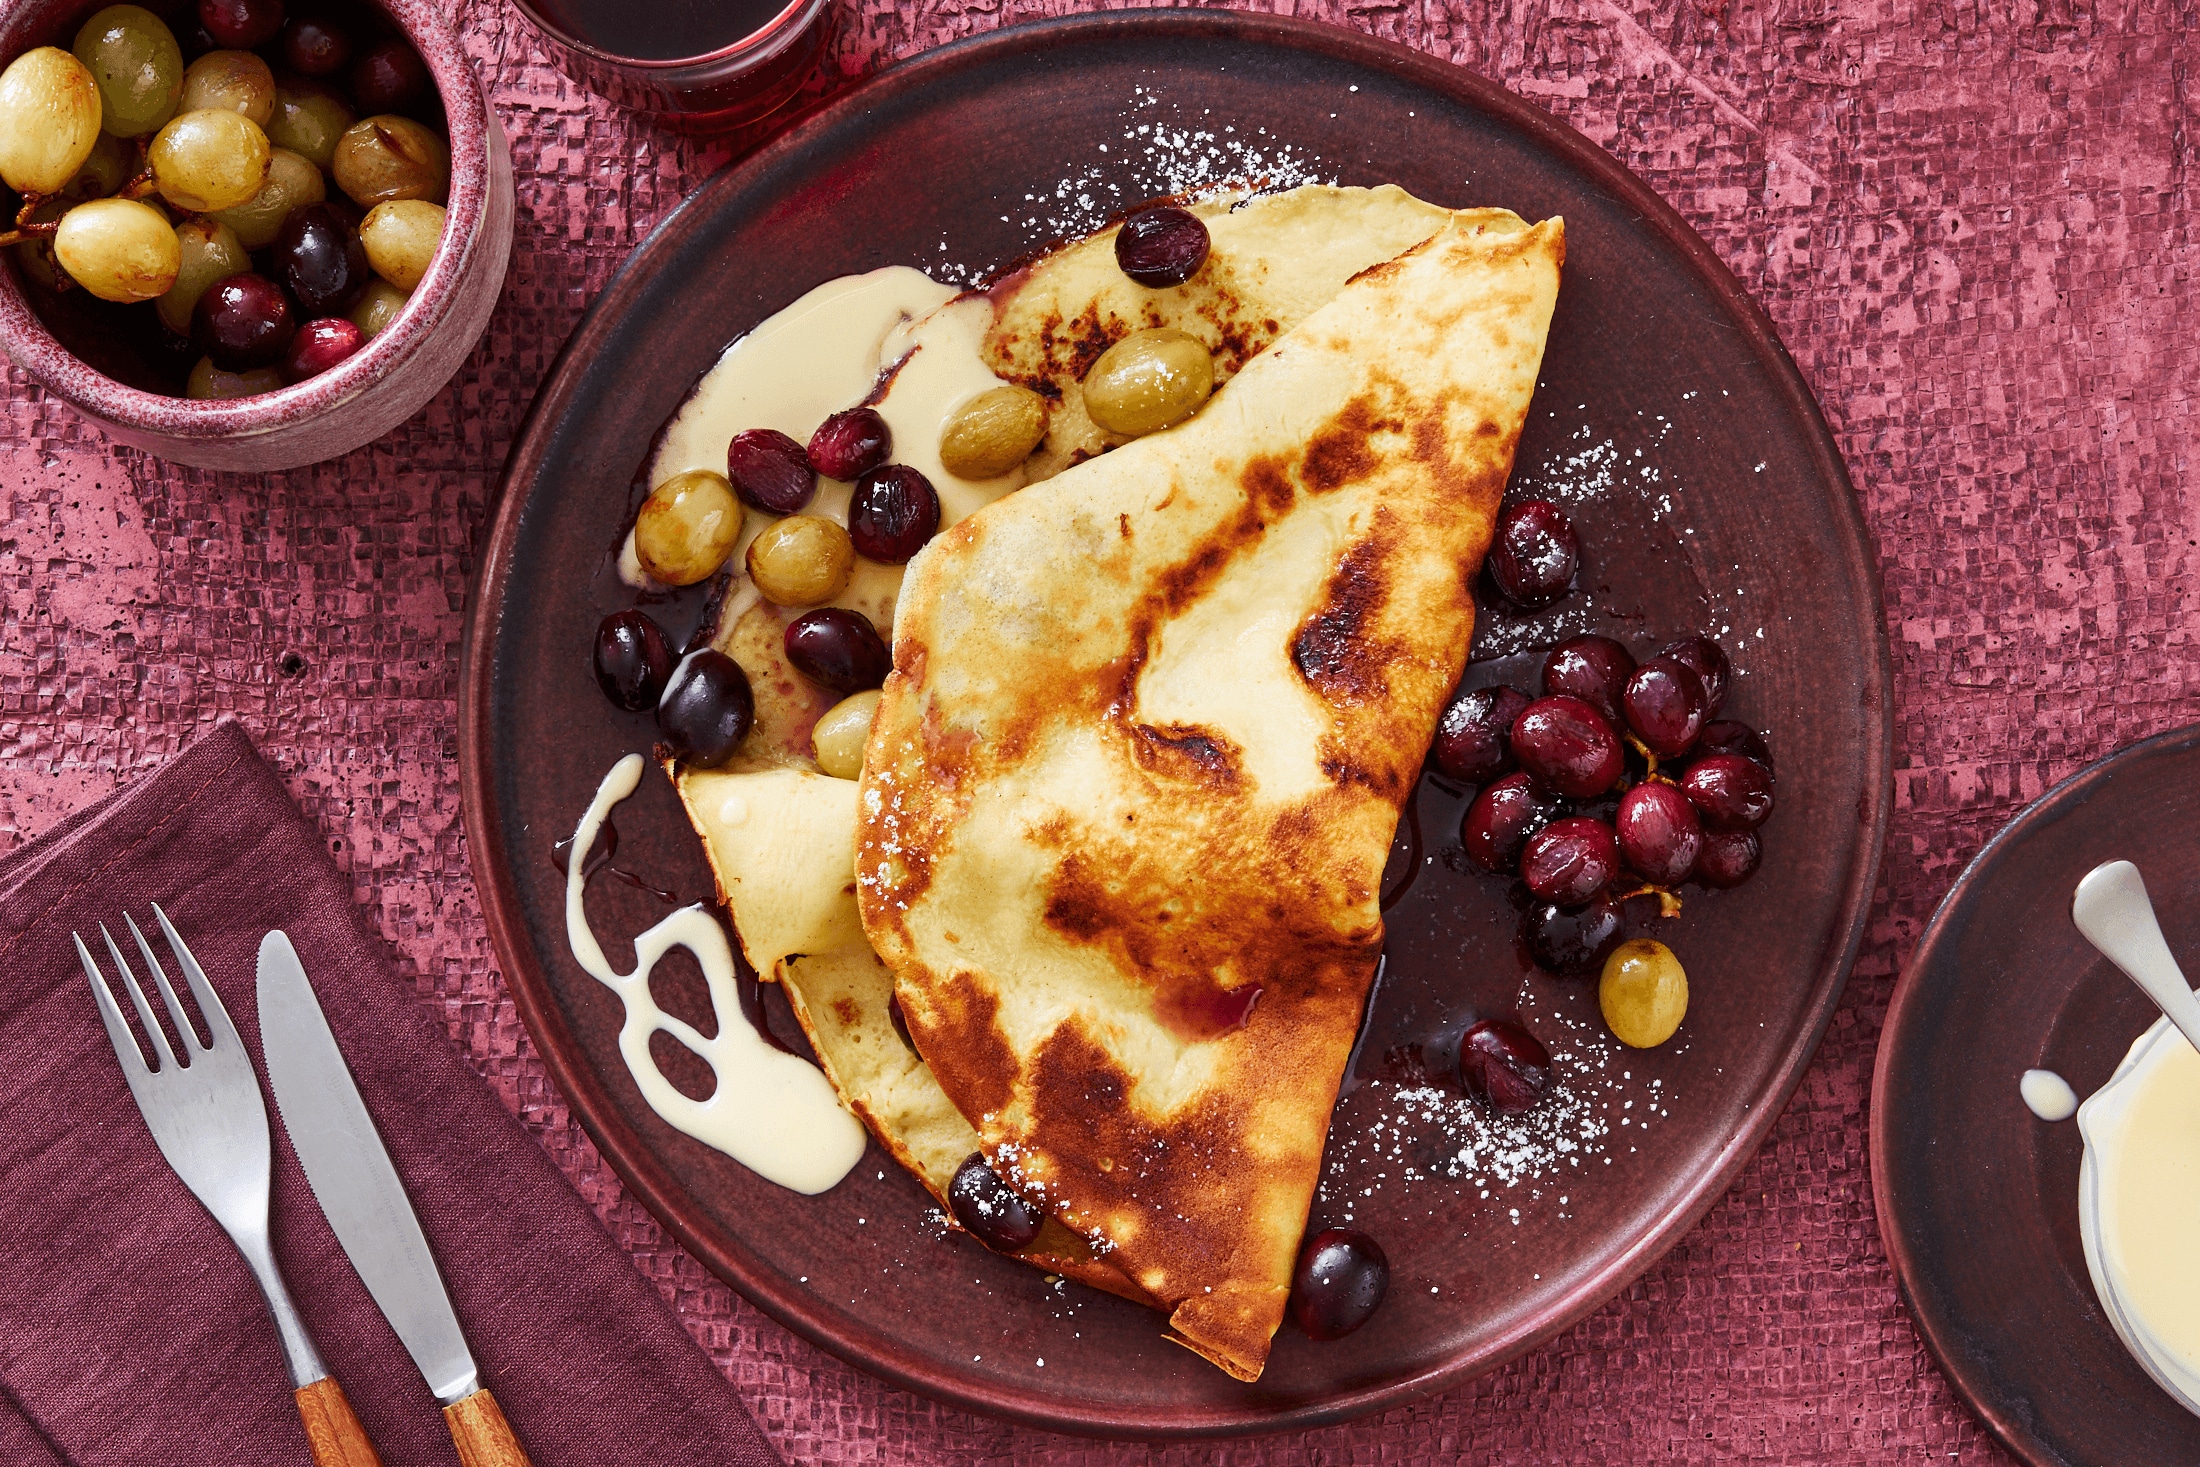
{"type": "Point", "coordinates": [706, 711]}
{"type": "Point", "coordinates": [243, 322]}
{"type": "Point", "coordinates": [1665, 705]}
{"type": "Point", "coordinates": [1659, 834]}
{"type": "Point", "coordinates": [1593, 669]}
{"type": "Point", "coordinates": [1340, 1281]}
{"type": "Point", "coordinates": [1534, 554]}
{"type": "Point", "coordinates": [838, 649]}
{"type": "Point", "coordinates": [315, 47]}
{"type": "Point", "coordinates": [1500, 821]}
{"type": "Point", "coordinates": [850, 444]}
{"type": "Point", "coordinates": [632, 660]}
{"type": "Point", "coordinates": [1161, 247]}
{"type": "Point", "coordinates": [1570, 861]}
{"type": "Point", "coordinates": [320, 345]}
{"type": "Point", "coordinates": [241, 24]}
{"type": "Point", "coordinates": [1573, 941]}
{"type": "Point", "coordinates": [1568, 747]}
{"type": "Point", "coordinates": [1505, 1065]}
{"type": "Point", "coordinates": [323, 263]}
{"type": "Point", "coordinates": [894, 512]}
{"type": "Point", "coordinates": [388, 78]}
{"type": "Point", "coordinates": [770, 471]}
{"type": "Point", "coordinates": [1707, 660]}
{"type": "Point", "coordinates": [1731, 791]}
{"type": "Point", "coordinates": [1473, 737]}
{"type": "Point", "coordinates": [1729, 857]}
{"type": "Point", "coordinates": [986, 1205]}
{"type": "Point", "coordinates": [1728, 737]}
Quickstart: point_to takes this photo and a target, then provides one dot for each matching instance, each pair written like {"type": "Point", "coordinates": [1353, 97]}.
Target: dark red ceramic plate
{"type": "Point", "coordinates": [1709, 496]}
{"type": "Point", "coordinates": [1978, 1200]}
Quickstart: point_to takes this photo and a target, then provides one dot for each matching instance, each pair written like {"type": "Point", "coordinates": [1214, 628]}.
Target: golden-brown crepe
{"type": "Point", "coordinates": [1133, 782]}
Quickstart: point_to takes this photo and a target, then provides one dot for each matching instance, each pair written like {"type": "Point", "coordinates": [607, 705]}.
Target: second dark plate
{"type": "Point", "coordinates": [1709, 496]}
{"type": "Point", "coordinates": [1978, 1199]}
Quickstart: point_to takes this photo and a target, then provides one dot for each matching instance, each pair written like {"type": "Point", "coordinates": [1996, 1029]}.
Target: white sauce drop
{"type": "Point", "coordinates": [773, 1112]}
{"type": "Point", "coordinates": [2048, 1095]}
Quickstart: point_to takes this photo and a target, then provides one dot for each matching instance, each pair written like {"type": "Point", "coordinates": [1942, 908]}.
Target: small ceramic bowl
{"type": "Point", "coordinates": [2099, 1119]}
{"type": "Point", "coordinates": [372, 391]}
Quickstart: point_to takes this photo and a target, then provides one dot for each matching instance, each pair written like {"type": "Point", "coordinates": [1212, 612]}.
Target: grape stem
{"type": "Point", "coordinates": [24, 227]}
{"type": "Point", "coordinates": [1669, 902]}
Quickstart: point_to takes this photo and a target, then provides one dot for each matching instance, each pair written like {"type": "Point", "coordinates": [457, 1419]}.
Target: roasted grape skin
{"type": "Point", "coordinates": [1501, 819]}
{"type": "Point", "coordinates": [992, 1212]}
{"type": "Point", "coordinates": [633, 660]}
{"type": "Point", "coordinates": [1660, 835]}
{"type": "Point", "coordinates": [1592, 668]}
{"type": "Point", "coordinates": [838, 649]}
{"type": "Point", "coordinates": [1161, 247]}
{"type": "Point", "coordinates": [1570, 861]}
{"type": "Point", "coordinates": [1568, 747]}
{"type": "Point", "coordinates": [1533, 553]}
{"type": "Point", "coordinates": [1338, 1284]}
{"type": "Point", "coordinates": [706, 710]}
{"type": "Point", "coordinates": [1504, 1065]}
{"type": "Point", "coordinates": [1473, 741]}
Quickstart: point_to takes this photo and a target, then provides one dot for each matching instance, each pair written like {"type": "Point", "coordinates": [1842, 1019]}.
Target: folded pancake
{"type": "Point", "coordinates": [1133, 782]}
{"type": "Point", "coordinates": [781, 836]}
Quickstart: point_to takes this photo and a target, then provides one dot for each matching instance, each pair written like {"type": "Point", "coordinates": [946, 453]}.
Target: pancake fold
{"type": "Point", "coordinates": [1133, 782]}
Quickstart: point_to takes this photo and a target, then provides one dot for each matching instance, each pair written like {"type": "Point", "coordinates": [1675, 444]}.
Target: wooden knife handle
{"type": "Point", "coordinates": [483, 1436]}
{"type": "Point", "coordinates": [337, 1437]}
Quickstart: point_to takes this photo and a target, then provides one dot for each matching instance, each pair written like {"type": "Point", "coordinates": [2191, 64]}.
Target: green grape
{"type": "Point", "coordinates": [308, 120]}
{"type": "Point", "coordinates": [49, 120]}
{"type": "Point", "coordinates": [378, 307]}
{"type": "Point", "coordinates": [211, 251]}
{"type": "Point", "coordinates": [401, 238]}
{"type": "Point", "coordinates": [292, 183]}
{"type": "Point", "coordinates": [234, 81]}
{"type": "Point", "coordinates": [209, 160]}
{"type": "Point", "coordinates": [384, 158]}
{"type": "Point", "coordinates": [209, 383]}
{"type": "Point", "coordinates": [105, 171]}
{"type": "Point", "coordinates": [118, 249]}
{"type": "Point", "coordinates": [134, 57]}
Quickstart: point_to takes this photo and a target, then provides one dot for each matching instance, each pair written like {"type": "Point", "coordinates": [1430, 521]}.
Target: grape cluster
{"type": "Point", "coordinates": [194, 171]}
{"type": "Point", "coordinates": [1620, 780]}
{"type": "Point", "coordinates": [686, 531]}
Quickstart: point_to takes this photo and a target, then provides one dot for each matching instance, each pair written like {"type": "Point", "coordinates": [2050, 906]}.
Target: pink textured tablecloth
{"type": "Point", "coordinates": [1975, 226]}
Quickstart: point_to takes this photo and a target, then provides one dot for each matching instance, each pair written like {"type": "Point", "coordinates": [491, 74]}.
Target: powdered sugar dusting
{"type": "Point", "coordinates": [1415, 1132]}
{"type": "Point", "coordinates": [1165, 148]}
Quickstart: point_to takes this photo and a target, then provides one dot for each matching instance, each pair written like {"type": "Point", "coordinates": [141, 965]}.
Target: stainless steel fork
{"type": "Point", "coordinates": [205, 1111]}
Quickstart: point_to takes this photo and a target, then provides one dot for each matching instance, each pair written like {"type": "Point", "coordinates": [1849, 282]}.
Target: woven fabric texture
{"type": "Point", "coordinates": [1972, 223]}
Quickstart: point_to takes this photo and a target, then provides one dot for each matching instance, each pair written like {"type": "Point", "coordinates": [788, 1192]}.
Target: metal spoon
{"type": "Point", "coordinates": [2112, 911]}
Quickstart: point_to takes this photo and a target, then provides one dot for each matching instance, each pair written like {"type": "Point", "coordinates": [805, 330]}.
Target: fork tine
{"type": "Point", "coordinates": [144, 1009]}
{"type": "Point", "coordinates": [110, 1014]}
{"type": "Point", "coordinates": [218, 1022]}
{"type": "Point", "coordinates": [168, 994]}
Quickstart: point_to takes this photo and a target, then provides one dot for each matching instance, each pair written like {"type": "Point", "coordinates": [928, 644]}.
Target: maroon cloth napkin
{"type": "Point", "coordinates": [130, 1330]}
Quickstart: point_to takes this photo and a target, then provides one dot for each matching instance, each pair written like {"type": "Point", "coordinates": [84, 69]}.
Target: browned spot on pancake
{"type": "Point", "coordinates": [1267, 486]}
{"type": "Point", "coordinates": [1335, 650]}
{"type": "Point", "coordinates": [844, 1009]}
{"type": "Point", "coordinates": [1124, 521]}
{"type": "Point", "coordinates": [1342, 450]}
{"type": "Point", "coordinates": [1186, 753]}
{"type": "Point", "coordinates": [965, 1016]}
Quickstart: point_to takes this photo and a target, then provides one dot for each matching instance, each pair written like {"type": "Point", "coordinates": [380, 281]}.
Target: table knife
{"type": "Point", "coordinates": [365, 1204]}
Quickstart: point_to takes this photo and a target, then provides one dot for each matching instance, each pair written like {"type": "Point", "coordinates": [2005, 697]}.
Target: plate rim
{"type": "Point", "coordinates": [623, 1148]}
{"type": "Point", "coordinates": [1942, 1336]}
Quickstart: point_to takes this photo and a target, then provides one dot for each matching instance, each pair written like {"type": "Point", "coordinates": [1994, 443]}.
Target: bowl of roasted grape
{"type": "Point", "coordinates": [231, 223]}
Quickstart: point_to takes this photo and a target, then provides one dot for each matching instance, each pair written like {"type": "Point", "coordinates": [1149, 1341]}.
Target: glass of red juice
{"type": "Point", "coordinates": [697, 65]}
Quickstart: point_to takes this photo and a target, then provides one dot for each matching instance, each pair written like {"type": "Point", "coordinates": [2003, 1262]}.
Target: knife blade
{"type": "Point", "coordinates": [351, 1174]}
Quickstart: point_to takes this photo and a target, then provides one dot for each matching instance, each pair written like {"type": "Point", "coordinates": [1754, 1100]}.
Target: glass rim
{"type": "Point", "coordinates": [797, 11]}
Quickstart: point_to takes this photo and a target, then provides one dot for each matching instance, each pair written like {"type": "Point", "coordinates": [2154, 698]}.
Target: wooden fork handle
{"type": "Point", "coordinates": [333, 1429]}
{"type": "Point", "coordinates": [483, 1436]}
